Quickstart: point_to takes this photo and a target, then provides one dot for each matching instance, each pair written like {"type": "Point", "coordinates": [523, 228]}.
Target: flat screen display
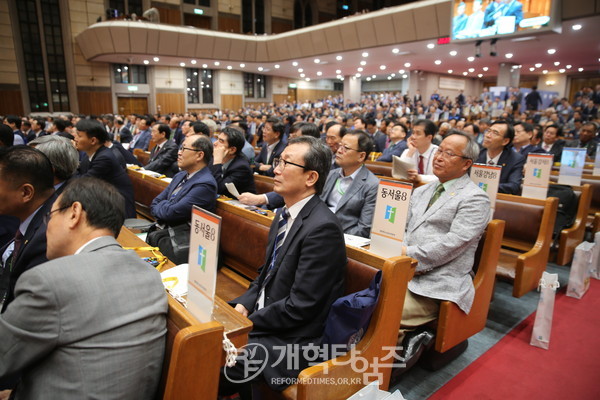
{"type": "Point", "coordinates": [477, 19]}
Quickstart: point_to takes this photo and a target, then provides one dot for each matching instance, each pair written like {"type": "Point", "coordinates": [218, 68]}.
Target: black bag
{"type": "Point", "coordinates": [567, 207]}
{"type": "Point", "coordinates": [173, 242]}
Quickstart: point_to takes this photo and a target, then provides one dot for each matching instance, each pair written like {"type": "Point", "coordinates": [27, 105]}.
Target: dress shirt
{"type": "Point", "coordinates": [342, 184]}
{"type": "Point", "coordinates": [270, 149]}
{"type": "Point", "coordinates": [493, 160]}
{"type": "Point", "coordinates": [427, 175]}
{"type": "Point", "coordinates": [23, 229]}
{"type": "Point", "coordinates": [294, 211]}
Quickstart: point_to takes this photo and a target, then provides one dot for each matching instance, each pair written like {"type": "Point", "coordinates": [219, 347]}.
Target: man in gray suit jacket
{"type": "Point", "coordinates": [351, 190]}
{"type": "Point", "coordinates": [91, 322]}
{"type": "Point", "coordinates": [445, 221]}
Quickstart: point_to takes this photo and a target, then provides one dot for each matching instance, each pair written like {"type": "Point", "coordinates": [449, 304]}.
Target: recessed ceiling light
{"type": "Point", "coordinates": [316, 60]}
{"type": "Point", "coordinates": [302, 75]}
{"type": "Point", "coordinates": [156, 59]}
{"type": "Point", "coordinates": [382, 67]}
{"type": "Point", "coordinates": [339, 76]}
{"type": "Point", "coordinates": [508, 55]}
{"type": "Point", "coordinates": [295, 63]}
{"type": "Point", "coordinates": [404, 76]}
{"type": "Point", "coordinates": [229, 67]}
{"type": "Point", "coordinates": [485, 69]}
{"type": "Point", "coordinates": [365, 54]}
{"type": "Point", "coordinates": [562, 70]}
{"type": "Point", "coordinates": [480, 75]}
{"type": "Point", "coordinates": [338, 71]}
{"type": "Point", "coordinates": [339, 58]}
{"type": "Point", "coordinates": [300, 69]}
{"type": "Point", "coordinates": [471, 70]}
{"type": "Point", "coordinates": [431, 46]}
{"type": "Point", "coordinates": [437, 62]}
{"type": "Point", "coordinates": [146, 62]}
{"type": "Point", "coordinates": [401, 71]}
{"type": "Point", "coordinates": [182, 64]}
{"type": "Point", "coordinates": [551, 51]}
{"type": "Point", "coordinates": [532, 69]}
{"type": "Point", "coordinates": [576, 27]}
{"type": "Point", "coordinates": [193, 62]}
{"type": "Point", "coordinates": [557, 63]}
{"type": "Point", "coordinates": [407, 65]}
{"type": "Point", "coordinates": [395, 51]}
{"type": "Point", "coordinates": [242, 65]}
{"type": "Point", "coordinates": [389, 78]}
{"type": "Point", "coordinates": [392, 75]}
{"type": "Point", "coordinates": [319, 73]}
{"type": "Point", "coordinates": [465, 73]}
{"type": "Point", "coordinates": [580, 69]}
{"type": "Point", "coordinates": [545, 71]}
{"type": "Point", "coordinates": [470, 59]}
{"type": "Point", "coordinates": [260, 68]}
{"type": "Point", "coordinates": [277, 66]}
{"type": "Point", "coordinates": [363, 62]}
{"type": "Point", "coordinates": [204, 66]}
{"type": "Point", "coordinates": [307, 79]}
{"type": "Point", "coordinates": [450, 71]}
{"type": "Point", "coordinates": [568, 66]}
{"type": "Point", "coordinates": [538, 65]}
{"type": "Point", "coordinates": [453, 53]}
{"type": "Point", "coordinates": [217, 63]}
{"type": "Point", "coordinates": [368, 78]}
{"type": "Point", "coordinates": [357, 75]}
{"type": "Point", "coordinates": [360, 69]}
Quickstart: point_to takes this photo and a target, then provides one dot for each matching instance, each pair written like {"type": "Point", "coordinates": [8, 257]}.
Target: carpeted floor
{"type": "Point", "coordinates": [506, 312]}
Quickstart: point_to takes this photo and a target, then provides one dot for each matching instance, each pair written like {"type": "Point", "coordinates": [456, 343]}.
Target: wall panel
{"type": "Point", "coordinates": [170, 102]}
{"type": "Point", "coordinates": [95, 102]}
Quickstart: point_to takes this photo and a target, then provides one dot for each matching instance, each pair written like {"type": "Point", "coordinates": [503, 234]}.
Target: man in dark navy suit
{"type": "Point", "coordinates": [142, 139]}
{"type": "Point", "coordinates": [230, 165]}
{"type": "Point", "coordinates": [100, 162]}
{"type": "Point", "coordinates": [273, 146]}
{"type": "Point", "coordinates": [164, 154]}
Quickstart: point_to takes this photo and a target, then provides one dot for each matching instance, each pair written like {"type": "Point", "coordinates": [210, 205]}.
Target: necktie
{"type": "Point", "coordinates": [18, 242]}
{"type": "Point", "coordinates": [436, 195]}
{"type": "Point", "coordinates": [421, 168]}
{"type": "Point", "coordinates": [178, 188]}
{"type": "Point", "coordinates": [491, 162]}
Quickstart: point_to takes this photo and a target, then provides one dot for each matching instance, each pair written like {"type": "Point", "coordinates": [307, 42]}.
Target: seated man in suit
{"type": "Point", "coordinates": [91, 323]}
{"type": "Point", "coordinates": [552, 143]}
{"type": "Point", "coordinates": [303, 272]}
{"type": "Point", "coordinates": [194, 185]}
{"type": "Point", "coordinates": [142, 139]}
{"type": "Point", "coordinates": [496, 151]}
{"type": "Point", "coordinates": [273, 145]}
{"type": "Point", "coordinates": [379, 138]}
{"type": "Point", "coordinates": [100, 162]}
{"type": "Point", "coordinates": [445, 221]}
{"type": "Point", "coordinates": [230, 165]}
{"type": "Point", "coordinates": [420, 152]}
{"type": "Point", "coordinates": [164, 154]}
{"type": "Point", "coordinates": [62, 155]}
{"type": "Point", "coordinates": [397, 143]}
{"type": "Point", "coordinates": [27, 193]}
{"type": "Point", "coordinates": [123, 135]}
{"type": "Point", "coordinates": [351, 190]}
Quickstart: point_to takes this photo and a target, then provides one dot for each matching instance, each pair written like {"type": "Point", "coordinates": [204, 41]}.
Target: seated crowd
{"type": "Point", "coordinates": [65, 194]}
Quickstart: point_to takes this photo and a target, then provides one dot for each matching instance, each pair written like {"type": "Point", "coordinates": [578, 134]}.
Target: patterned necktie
{"type": "Point", "coordinates": [421, 168]}
{"type": "Point", "coordinates": [491, 162]}
{"type": "Point", "coordinates": [281, 228]}
{"type": "Point", "coordinates": [18, 242]}
{"type": "Point", "coordinates": [436, 195]}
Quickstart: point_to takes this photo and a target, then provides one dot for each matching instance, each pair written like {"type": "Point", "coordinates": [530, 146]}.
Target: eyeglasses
{"type": "Point", "coordinates": [281, 162]}
{"type": "Point", "coordinates": [447, 154]}
{"type": "Point", "coordinates": [182, 148]}
{"type": "Point", "coordinates": [48, 215]}
{"type": "Point", "coordinates": [343, 149]}
{"type": "Point", "coordinates": [494, 132]}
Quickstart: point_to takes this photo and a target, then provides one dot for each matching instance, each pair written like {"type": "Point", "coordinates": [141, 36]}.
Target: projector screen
{"type": "Point", "coordinates": [477, 19]}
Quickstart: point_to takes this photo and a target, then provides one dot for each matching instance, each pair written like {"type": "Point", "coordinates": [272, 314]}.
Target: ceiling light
{"type": "Point", "coordinates": [471, 70]}
{"type": "Point", "coordinates": [146, 62]}
{"type": "Point", "coordinates": [471, 59]}
{"type": "Point", "coordinates": [431, 46]}
{"type": "Point", "coordinates": [453, 53]}
{"type": "Point", "coordinates": [392, 75]}
{"type": "Point", "coordinates": [508, 55]}
{"type": "Point", "coordinates": [395, 51]}
{"type": "Point", "coordinates": [532, 69]}
{"type": "Point", "coordinates": [193, 62]}
{"type": "Point", "coordinates": [374, 76]}
{"type": "Point", "coordinates": [357, 75]}
{"type": "Point", "coordinates": [317, 61]}
{"type": "Point", "coordinates": [404, 76]}
{"type": "Point", "coordinates": [401, 71]}
{"type": "Point", "coordinates": [295, 63]}
{"type": "Point", "coordinates": [580, 69]}
{"type": "Point", "coordinates": [363, 62]}
{"type": "Point", "coordinates": [338, 71]}
{"type": "Point", "coordinates": [557, 63]}
{"type": "Point", "coordinates": [562, 70]}
{"type": "Point", "coordinates": [450, 71]}
{"type": "Point", "coordinates": [437, 62]}
{"type": "Point", "coordinates": [407, 65]}
{"type": "Point", "coordinates": [229, 67]}
{"type": "Point", "coordinates": [485, 69]}
{"type": "Point", "coordinates": [538, 65]}
{"type": "Point", "coordinates": [551, 51]}
{"type": "Point", "coordinates": [360, 69]}
{"type": "Point", "coordinates": [365, 54]}
{"type": "Point", "coordinates": [480, 75]}
{"type": "Point", "coordinates": [568, 66]}
{"type": "Point", "coordinates": [389, 78]}
{"type": "Point", "coordinates": [277, 66]}
{"type": "Point", "coordinates": [465, 73]}
{"type": "Point", "coordinates": [368, 78]}
{"type": "Point", "coordinates": [300, 69]}
{"type": "Point", "coordinates": [339, 58]}
{"type": "Point", "coordinates": [576, 27]}
{"type": "Point", "coordinates": [217, 63]}
{"type": "Point", "coordinates": [204, 66]}
{"type": "Point", "coordinates": [545, 71]}
{"type": "Point", "coordinates": [156, 59]}
{"type": "Point", "coordinates": [182, 64]}
{"type": "Point", "coordinates": [302, 75]}
{"type": "Point", "coordinates": [339, 76]}
{"type": "Point", "coordinates": [307, 79]}
{"type": "Point", "coordinates": [382, 67]}
{"type": "Point", "coordinates": [319, 73]}
{"type": "Point", "coordinates": [260, 68]}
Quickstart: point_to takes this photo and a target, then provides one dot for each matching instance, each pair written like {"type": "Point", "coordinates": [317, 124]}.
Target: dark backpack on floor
{"type": "Point", "coordinates": [567, 207]}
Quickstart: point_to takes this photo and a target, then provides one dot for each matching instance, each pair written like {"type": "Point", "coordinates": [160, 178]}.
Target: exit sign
{"type": "Point", "coordinates": [443, 40]}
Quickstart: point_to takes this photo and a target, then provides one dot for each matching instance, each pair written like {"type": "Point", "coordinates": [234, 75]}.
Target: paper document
{"type": "Point", "coordinates": [356, 241]}
{"type": "Point", "coordinates": [232, 189]}
{"type": "Point", "coordinates": [151, 173]}
{"type": "Point", "coordinates": [175, 280]}
{"type": "Point", "coordinates": [400, 168]}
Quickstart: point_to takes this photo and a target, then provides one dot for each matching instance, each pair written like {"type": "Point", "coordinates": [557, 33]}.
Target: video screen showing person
{"type": "Point", "coordinates": [483, 18]}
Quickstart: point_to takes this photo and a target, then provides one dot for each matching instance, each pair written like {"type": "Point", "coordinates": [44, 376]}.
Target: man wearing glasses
{"type": "Point", "coordinates": [303, 273]}
{"type": "Point", "coordinates": [496, 151]}
{"type": "Point", "coordinates": [194, 185]}
{"type": "Point", "coordinates": [445, 221]}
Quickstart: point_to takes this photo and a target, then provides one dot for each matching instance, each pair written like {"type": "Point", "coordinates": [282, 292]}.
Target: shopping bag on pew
{"type": "Point", "coordinates": [540, 337]}
{"type": "Point", "coordinates": [595, 267]}
{"type": "Point", "coordinates": [579, 277]}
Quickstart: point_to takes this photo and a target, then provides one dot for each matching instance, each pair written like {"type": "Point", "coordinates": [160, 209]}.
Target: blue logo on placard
{"type": "Point", "coordinates": [202, 258]}
{"type": "Point", "coordinates": [390, 214]}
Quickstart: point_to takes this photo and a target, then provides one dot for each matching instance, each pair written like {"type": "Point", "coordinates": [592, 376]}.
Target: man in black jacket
{"type": "Point", "coordinates": [230, 165]}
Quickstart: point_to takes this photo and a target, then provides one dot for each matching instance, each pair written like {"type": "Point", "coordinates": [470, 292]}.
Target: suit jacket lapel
{"type": "Point", "coordinates": [353, 188]}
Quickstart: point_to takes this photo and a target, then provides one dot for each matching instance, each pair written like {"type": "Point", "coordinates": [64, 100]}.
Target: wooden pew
{"type": "Point", "coordinates": [527, 239]}
{"type": "Point", "coordinates": [264, 184]}
{"type": "Point", "coordinates": [379, 168]}
{"type": "Point", "coordinates": [572, 236]}
{"type": "Point", "coordinates": [145, 189]}
{"type": "Point", "coordinates": [142, 156]}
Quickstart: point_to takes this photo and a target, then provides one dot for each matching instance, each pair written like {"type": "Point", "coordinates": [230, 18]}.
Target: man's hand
{"type": "Point", "coordinates": [264, 167]}
{"type": "Point", "coordinates": [238, 307]}
{"type": "Point", "coordinates": [251, 199]}
{"type": "Point", "coordinates": [413, 175]}
{"type": "Point", "coordinates": [5, 394]}
{"type": "Point", "coordinates": [411, 147]}
{"type": "Point", "coordinates": [219, 154]}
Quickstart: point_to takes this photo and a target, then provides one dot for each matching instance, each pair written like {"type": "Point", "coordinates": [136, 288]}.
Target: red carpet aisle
{"type": "Point", "coordinates": [514, 370]}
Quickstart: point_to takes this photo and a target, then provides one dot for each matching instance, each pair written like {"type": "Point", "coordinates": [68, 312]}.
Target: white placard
{"type": "Point", "coordinates": [389, 219]}
{"type": "Point", "coordinates": [572, 162]}
{"type": "Point", "coordinates": [203, 261]}
{"type": "Point", "coordinates": [451, 83]}
{"type": "Point", "coordinates": [597, 162]}
{"type": "Point", "coordinates": [487, 177]}
{"type": "Point", "coordinates": [537, 175]}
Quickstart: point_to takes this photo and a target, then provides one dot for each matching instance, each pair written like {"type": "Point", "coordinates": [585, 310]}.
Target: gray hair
{"type": "Point", "coordinates": [471, 150]}
{"type": "Point", "coordinates": [61, 153]}
{"type": "Point", "coordinates": [317, 158]}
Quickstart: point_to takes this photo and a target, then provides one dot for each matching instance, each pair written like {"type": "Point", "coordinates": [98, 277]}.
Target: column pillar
{"type": "Point", "coordinates": [352, 88]}
{"type": "Point", "coordinates": [507, 75]}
